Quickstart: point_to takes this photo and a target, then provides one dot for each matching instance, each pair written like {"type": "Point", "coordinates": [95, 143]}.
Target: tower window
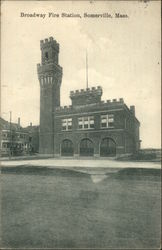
{"type": "Point", "coordinates": [46, 55]}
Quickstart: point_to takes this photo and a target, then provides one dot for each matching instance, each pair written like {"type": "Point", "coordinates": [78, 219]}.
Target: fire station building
{"type": "Point", "coordinates": [90, 126]}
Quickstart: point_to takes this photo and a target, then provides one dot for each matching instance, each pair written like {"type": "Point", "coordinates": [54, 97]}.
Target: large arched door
{"type": "Point", "coordinates": [86, 147]}
{"type": "Point", "coordinates": [67, 148]}
{"type": "Point", "coordinates": [108, 147]}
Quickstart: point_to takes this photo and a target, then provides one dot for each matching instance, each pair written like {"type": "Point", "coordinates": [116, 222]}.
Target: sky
{"type": "Point", "coordinates": [124, 56]}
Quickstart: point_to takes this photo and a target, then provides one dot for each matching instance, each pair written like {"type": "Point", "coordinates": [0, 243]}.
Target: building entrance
{"type": "Point", "coordinates": [86, 147]}
{"type": "Point", "coordinates": [67, 148]}
{"type": "Point", "coordinates": [108, 147]}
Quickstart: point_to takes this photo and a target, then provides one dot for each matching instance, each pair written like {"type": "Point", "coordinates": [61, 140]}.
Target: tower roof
{"type": "Point", "coordinates": [49, 42]}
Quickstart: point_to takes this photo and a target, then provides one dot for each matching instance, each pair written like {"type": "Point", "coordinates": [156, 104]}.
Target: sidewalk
{"type": "Point", "coordinates": [27, 157]}
{"type": "Point", "coordinates": [80, 163]}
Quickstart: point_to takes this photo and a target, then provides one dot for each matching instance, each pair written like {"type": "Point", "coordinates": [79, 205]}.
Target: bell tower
{"type": "Point", "coordinates": [50, 77]}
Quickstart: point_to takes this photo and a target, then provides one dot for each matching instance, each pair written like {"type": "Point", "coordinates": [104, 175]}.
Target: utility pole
{"type": "Point", "coordinates": [86, 69]}
{"type": "Point", "coordinates": [10, 135]}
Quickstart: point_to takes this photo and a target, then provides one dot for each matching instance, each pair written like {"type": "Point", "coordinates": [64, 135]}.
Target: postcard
{"type": "Point", "coordinates": [80, 124]}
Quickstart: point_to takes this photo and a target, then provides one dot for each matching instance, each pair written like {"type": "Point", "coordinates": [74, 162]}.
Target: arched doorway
{"type": "Point", "coordinates": [108, 147]}
{"type": "Point", "coordinates": [86, 147]}
{"type": "Point", "coordinates": [67, 148]}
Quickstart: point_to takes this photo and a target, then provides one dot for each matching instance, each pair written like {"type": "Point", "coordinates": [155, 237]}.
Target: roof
{"type": "Point", "coordinates": [99, 106]}
{"type": "Point", "coordinates": [5, 125]}
{"type": "Point", "coordinates": [32, 129]}
{"type": "Point", "coordinates": [109, 105]}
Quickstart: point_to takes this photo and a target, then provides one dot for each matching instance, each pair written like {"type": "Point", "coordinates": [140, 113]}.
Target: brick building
{"type": "Point", "coordinates": [90, 126]}
{"type": "Point", "coordinates": [33, 135]}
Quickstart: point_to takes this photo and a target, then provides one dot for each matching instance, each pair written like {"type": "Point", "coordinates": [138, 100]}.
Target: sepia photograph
{"type": "Point", "coordinates": [80, 124]}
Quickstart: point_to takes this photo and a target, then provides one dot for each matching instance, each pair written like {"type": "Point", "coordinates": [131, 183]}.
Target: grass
{"type": "Point", "coordinates": [59, 208]}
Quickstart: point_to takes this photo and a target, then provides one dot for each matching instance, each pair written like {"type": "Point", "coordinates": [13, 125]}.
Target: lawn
{"type": "Point", "coordinates": [52, 208]}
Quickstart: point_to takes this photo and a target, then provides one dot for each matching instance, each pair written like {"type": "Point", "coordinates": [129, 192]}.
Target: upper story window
{"type": "Point", "coordinates": [21, 135]}
{"type": "Point", "coordinates": [4, 145]}
{"type": "Point", "coordinates": [67, 124]}
{"type": "Point", "coordinates": [18, 135]}
{"type": "Point", "coordinates": [5, 135]}
{"type": "Point", "coordinates": [46, 55]}
{"type": "Point", "coordinates": [107, 121]}
{"type": "Point", "coordinates": [86, 122]}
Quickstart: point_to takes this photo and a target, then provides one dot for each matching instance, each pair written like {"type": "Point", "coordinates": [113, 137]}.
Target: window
{"type": "Point", "coordinates": [107, 121]}
{"type": "Point", "coordinates": [80, 122]}
{"type": "Point", "coordinates": [67, 124]}
{"type": "Point", "coordinates": [4, 145]}
{"type": "Point", "coordinates": [4, 135]}
{"type": "Point", "coordinates": [46, 55]}
{"type": "Point", "coordinates": [86, 122]}
{"type": "Point", "coordinates": [91, 122]}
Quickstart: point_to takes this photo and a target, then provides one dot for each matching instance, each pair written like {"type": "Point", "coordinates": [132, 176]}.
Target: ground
{"type": "Point", "coordinates": [81, 207]}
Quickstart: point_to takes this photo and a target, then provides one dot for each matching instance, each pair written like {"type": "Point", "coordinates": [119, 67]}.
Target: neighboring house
{"type": "Point", "coordinates": [90, 126]}
{"type": "Point", "coordinates": [16, 140]}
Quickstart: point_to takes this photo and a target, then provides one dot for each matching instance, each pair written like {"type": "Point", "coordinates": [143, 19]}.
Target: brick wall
{"type": "Point", "coordinates": [123, 134]}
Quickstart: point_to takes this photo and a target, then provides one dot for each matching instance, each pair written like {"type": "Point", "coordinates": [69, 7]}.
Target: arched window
{"type": "Point", "coordinates": [108, 147]}
{"type": "Point", "coordinates": [86, 147]}
{"type": "Point", "coordinates": [67, 148]}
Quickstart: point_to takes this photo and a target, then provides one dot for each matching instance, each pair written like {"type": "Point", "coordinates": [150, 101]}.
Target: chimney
{"type": "Point", "coordinates": [132, 109]}
{"type": "Point", "coordinates": [19, 121]}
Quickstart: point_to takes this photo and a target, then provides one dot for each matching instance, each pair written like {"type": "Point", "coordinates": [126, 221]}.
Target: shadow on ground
{"type": "Point", "coordinates": [61, 208]}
